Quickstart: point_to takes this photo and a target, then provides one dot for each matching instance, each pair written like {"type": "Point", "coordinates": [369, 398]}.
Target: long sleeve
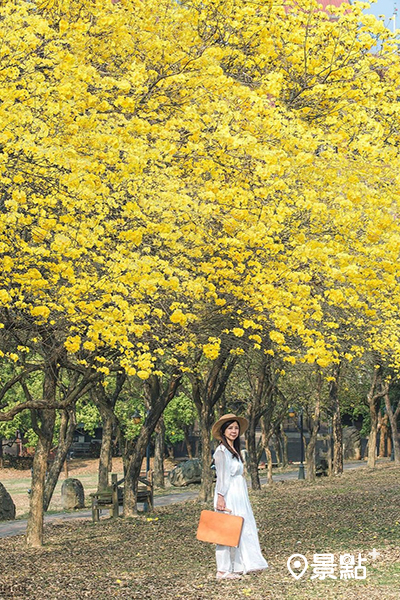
{"type": "Point", "coordinates": [223, 471]}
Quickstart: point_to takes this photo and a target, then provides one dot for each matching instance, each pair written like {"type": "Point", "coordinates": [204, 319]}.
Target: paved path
{"type": "Point", "coordinates": [11, 528]}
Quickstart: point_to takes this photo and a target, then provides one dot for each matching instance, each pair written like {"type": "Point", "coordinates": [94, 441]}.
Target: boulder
{"type": "Point", "coordinates": [351, 443]}
{"type": "Point", "coordinates": [185, 473]}
{"type": "Point", "coordinates": [72, 494]}
{"type": "Point", "coordinates": [7, 506]}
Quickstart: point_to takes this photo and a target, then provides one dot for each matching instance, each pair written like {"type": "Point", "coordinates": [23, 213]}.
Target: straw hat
{"type": "Point", "coordinates": [216, 430]}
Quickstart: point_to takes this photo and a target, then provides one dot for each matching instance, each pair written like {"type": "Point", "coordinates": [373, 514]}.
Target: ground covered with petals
{"type": "Point", "coordinates": [158, 557]}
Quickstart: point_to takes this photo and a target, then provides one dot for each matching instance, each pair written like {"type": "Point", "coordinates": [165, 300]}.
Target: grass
{"type": "Point", "coordinates": [158, 557]}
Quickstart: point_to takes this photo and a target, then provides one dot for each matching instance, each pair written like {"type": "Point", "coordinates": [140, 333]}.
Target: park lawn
{"type": "Point", "coordinates": [158, 556]}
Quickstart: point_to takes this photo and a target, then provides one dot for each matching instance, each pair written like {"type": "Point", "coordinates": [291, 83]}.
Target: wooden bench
{"type": "Point", "coordinates": [113, 498]}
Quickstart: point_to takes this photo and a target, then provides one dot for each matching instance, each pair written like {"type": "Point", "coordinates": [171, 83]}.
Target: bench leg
{"type": "Point", "coordinates": [148, 504]}
{"type": "Point", "coordinates": [95, 514]}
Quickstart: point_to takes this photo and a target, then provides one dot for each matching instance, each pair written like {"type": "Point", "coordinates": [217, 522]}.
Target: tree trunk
{"type": "Point", "coordinates": [266, 432]}
{"type": "Point", "coordinates": [133, 467]}
{"type": "Point", "coordinates": [389, 445]}
{"type": "Point", "coordinates": [310, 461]}
{"type": "Point", "coordinates": [187, 442]}
{"type": "Point", "coordinates": [337, 430]}
{"type": "Point", "coordinates": [283, 443]}
{"type": "Point", "coordinates": [197, 446]}
{"type": "Point", "coordinates": [311, 446]}
{"type": "Point", "coordinates": [222, 405]}
{"type": "Point", "coordinates": [67, 428]}
{"type": "Point", "coordinates": [277, 448]}
{"type": "Point", "coordinates": [269, 465]}
{"type": "Point", "coordinates": [337, 442]}
{"type": "Point", "coordinates": [1, 453]}
{"type": "Point", "coordinates": [135, 453]}
{"type": "Point", "coordinates": [43, 421]}
{"type": "Point", "coordinates": [105, 459]}
{"type": "Point", "coordinates": [372, 439]}
{"type": "Point", "coordinates": [159, 451]}
{"type": "Point", "coordinates": [260, 407]}
{"type": "Point", "coordinates": [374, 397]}
{"type": "Point", "coordinates": [251, 446]}
{"type": "Point", "coordinates": [393, 417]}
{"type": "Point", "coordinates": [106, 405]}
{"type": "Point", "coordinates": [383, 435]}
{"type": "Point", "coordinates": [207, 391]}
{"type": "Point", "coordinates": [34, 532]}
{"type": "Point", "coordinates": [207, 477]}
{"type": "Point", "coordinates": [313, 428]}
{"type": "Point", "coordinates": [329, 452]}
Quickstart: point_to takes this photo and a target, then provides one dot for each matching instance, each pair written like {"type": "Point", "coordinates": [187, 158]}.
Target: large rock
{"type": "Point", "coordinates": [72, 494]}
{"type": "Point", "coordinates": [351, 443]}
{"type": "Point", "coordinates": [185, 473]}
{"type": "Point", "coordinates": [7, 506]}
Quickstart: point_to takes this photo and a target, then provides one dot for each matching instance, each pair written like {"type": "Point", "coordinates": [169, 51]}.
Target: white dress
{"type": "Point", "coordinates": [232, 485]}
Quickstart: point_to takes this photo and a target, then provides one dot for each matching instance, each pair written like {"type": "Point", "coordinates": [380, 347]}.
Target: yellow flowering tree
{"type": "Point", "coordinates": [165, 166]}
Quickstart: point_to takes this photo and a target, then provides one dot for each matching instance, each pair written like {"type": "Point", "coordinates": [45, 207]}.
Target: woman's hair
{"type": "Point", "coordinates": [236, 442]}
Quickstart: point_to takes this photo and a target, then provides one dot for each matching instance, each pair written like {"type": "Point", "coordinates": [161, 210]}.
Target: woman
{"type": "Point", "coordinates": [231, 496]}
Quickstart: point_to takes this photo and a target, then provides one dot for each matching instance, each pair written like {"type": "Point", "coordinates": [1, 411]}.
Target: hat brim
{"type": "Point", "coordinates": [216, 429]}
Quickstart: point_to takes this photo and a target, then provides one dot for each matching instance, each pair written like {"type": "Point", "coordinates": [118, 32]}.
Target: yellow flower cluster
{"type": "Point", "coordinates": [174, 179]}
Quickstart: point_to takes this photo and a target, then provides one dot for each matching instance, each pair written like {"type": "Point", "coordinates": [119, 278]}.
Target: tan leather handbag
{"type": "Point", "coordinates": [219, 528]}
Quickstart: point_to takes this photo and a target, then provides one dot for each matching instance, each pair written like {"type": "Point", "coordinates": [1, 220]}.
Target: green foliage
{"type": "Point", "coordinates": [179, 414]}
{"type": "Point", "coordinates": [130, 412]}
{"type": "Point", "coordinates": [88, 415]}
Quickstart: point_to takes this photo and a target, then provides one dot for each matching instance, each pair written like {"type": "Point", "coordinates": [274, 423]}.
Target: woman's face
{"type": "Point", "coordinates": [232, 431]}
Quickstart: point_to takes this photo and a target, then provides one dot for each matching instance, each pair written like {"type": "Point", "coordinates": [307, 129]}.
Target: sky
{"type": "Point", "coordinates": [387, 8]}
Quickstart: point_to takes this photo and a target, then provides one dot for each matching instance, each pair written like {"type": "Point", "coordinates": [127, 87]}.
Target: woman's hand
{"type": "Point", "coordinates": [221, 504]}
